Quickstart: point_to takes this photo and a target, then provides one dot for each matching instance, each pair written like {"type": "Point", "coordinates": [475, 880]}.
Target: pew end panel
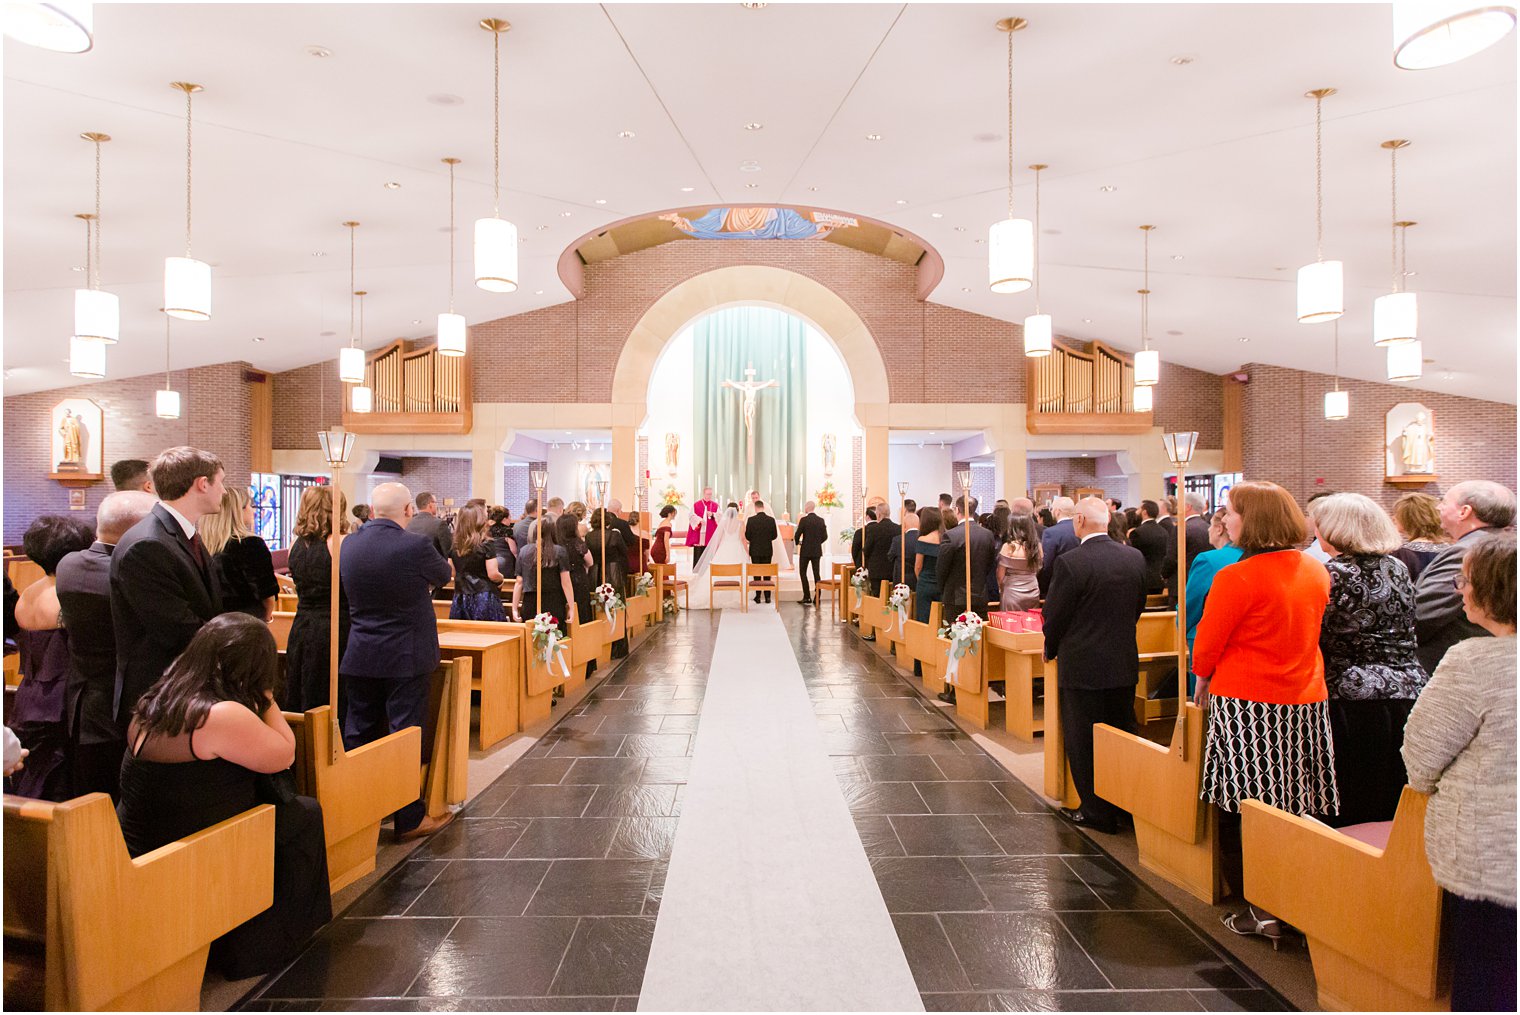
{"type": "Point", "coordinates": [1058, 784]}
{"type": "Point", "coordinates": [497, 672]}
{"type": "Point", "coordinates": [445, 772]}
{"type": "Point", "coordinates": [1018, 659]}
{"type": "Point", "coordinates": [109, 942]}
{"type": "Point", "coordinates": [1372, 917]}
{"type": "Point", "coordinates": [539, 681]}
{"type": "Point", "coordinates": [356, 791]}
{"type": "Point", "coordinates": [1177, 834]}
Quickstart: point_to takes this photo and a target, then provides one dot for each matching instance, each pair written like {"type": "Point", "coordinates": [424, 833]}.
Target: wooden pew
{"type": "Point", "coordinates": [970, 678]}
{"type": "Point", "coordinates": [1156, 638]}
{"type": "Point", "coordinates": [849, 603]}
{"type": "Point", "coordinates": [1017, 658]}
{"type": "Point", "coordinates": [286, 602]}
{"type": "Point", "coordinates": [1058, 784]}
{"type": "Point", "coordinates": [539, 681]}
{"type": "Point", "coordinates": [13, 669]}
{"type": "Point", "coordinates": [1177, 834]}
{"type": "Point", "coordinates": [1372, 916]}
{"type": "Point", "coordinates": [496, 655]}
{"type": "Point", "coordinates": [23, 572]}
{"type": "Point", "coordinates": [925, 648]}
{"type": "Point", "coordinates": [607, 635]}
{"type": "Point", "coordinates": [356, 788]}
{"type": "Point", "coordinates": [445, 777]}
{"type": "Point", "coordinates": [88, 928]}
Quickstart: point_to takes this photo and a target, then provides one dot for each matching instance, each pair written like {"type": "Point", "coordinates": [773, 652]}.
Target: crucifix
{"type": "Point", "coordinates": [747, 388]}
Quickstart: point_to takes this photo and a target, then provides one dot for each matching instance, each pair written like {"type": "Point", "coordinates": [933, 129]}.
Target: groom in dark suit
{"type": "Point", "coordinates": [812, 532]}
{"type": "Point", "coordinates": [760, 534]}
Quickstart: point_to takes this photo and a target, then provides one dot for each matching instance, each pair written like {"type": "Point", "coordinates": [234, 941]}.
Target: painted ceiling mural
{"type": "Point", "coordinates": [760, 224]}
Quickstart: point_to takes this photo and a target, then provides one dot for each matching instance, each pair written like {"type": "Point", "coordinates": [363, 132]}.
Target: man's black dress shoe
{"type": "Point", "coordinates": [1076, 817]}
{"type": "Point", "coordinates": [948, 696]}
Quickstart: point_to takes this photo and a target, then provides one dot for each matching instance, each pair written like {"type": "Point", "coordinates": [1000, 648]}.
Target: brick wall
{"type": "Point", "coordinates": [1069, 472]}
{"type": "Point", "coordinates": [1287, 439]}
{"type": "Point", "coordinates": [443, 477]}
{"type": "Point", "coordinates": [1188, 399]}
{"type": "Point", "coordinates": [514, 486]}
{"type": "Point", "coordinates": [306, 399]}
{"type": "Point", "coordinates": [215, 415]}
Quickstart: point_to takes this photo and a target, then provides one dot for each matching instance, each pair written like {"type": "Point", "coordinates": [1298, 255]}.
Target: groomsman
{"type": "Point", "coordinates": [760, 537]}
{"type": "Point", "coordinates": [704, 525]}
{"type": "Point", "coordinates": [811, 535]}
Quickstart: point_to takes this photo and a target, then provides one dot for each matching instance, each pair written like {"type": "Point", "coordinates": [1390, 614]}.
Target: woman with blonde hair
{"type": "Point", "coordinates": [1368, 643]}
{"type": "Point", "coordinates": [1418, 518]}
{"type": "Point", "coordinates": [477, 576]}
{"type": "Point", "coordinates": [307, 651]}
{"type": "Point", "coordinates": [241, 558]}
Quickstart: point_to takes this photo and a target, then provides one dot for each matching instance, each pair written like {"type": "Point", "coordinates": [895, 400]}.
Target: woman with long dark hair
{"type": "Point", "coordinates": [202, 746]}
{"type": "Point", "coordinates": [1018, 564]}
{"type": "Point", "coordinates": [477, 576]}
{"type": "Point", "coordinates": [558, 593]}
{"type": "Point", "coordinates": [307, 651]}
{"type": "Point", "coordinates": [580, 563]}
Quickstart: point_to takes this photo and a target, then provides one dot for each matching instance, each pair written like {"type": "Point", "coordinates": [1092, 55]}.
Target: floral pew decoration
{"type": "Point", "coordinates": [610, 601]}
{"type": "Point", "coordinates": [898, 602]}
{"type": "Point", "coordinates": [549, 643]}
{"type": "Point", "coordinates": [965, 635]}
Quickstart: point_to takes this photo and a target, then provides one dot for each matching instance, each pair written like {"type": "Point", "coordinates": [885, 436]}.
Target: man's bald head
{"type": "Point", "coordinates": [1063, 507]}
{"type": "Point", "coordinates": [615, 506]}
{"type": "Point", "coordinates": [1091, 516]}
{"type": "Point", "coordinates": [119, 512]}
{"type": "Point", "coordinates": [390, 500]}
{"type": "Point", "coordinates": [1021, 506]}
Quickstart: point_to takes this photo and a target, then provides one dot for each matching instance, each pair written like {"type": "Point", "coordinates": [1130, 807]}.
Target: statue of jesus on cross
{"type": "Point", "coordinates": [747, 388]}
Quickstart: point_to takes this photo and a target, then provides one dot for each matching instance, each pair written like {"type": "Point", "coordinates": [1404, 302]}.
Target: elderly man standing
{"type": "Point", "coordinates": [84, 600]}
{"type": "Point", "coordinates": [1057, 539]}
{"type": "Point", "coordinates": [388, 575]}
{"type": "Point", "coordinates": [1470, 512]}
{"type": "Point", "coordinates": [1096, 596]}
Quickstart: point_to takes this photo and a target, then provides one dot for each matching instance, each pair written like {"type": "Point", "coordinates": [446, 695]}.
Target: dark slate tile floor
{"type": "Point", "coordinates": [1000, 905]}
{"type": "Point", "coordinates": [543, 895]}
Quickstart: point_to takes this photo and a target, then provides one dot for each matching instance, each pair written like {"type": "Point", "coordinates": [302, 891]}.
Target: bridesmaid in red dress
{"type": "Point", "coordinates": [659, 550]}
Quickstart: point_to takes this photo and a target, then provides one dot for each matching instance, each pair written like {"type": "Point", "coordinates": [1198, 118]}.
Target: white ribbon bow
{"type": "Point", "coordinates": [551, 646]}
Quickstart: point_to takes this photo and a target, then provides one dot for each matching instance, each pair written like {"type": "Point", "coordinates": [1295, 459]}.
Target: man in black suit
{"type": "Point", "coordinates": [760, 534]}
{"type": "Point", "coordinates": [388, 575]}
{"type": "Point", "coordinates": [426, 522]}
{"type": "Point", "coordinates": [84, 600]}
{"type": "Point", "coordinates": [950, 571]}
{"type": "Point", "coordinates": [1197, 528]}
{"type": "Point", "coordinates": [1096, 597]}
{"type": "Point", "coordinates": [858, 540]}
{"type": "Point", "coordinates": [1056, 540]}
{"type": "Point", "coordinates": [1151, 539]}
{"type": "Point", "coordinates": [163, 584]}
{"type": "Point", "coordinates": [615, 520]}
{"type": "Point", "coordinates": [131, 474]}
{"type": "Point", "coordinates": [877, 547]}
{"type": "Point", "coordinates": [810, 536]}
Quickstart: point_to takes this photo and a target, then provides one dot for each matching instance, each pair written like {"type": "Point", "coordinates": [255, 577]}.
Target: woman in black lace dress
{"type": "Point", "coordinates": [579, 556]}
{"type": "Point", "coordinates": [1367, 639]}
{"type": "Point", "coordinates": [306, 653]}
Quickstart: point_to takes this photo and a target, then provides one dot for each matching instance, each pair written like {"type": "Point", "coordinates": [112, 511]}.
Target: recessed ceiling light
{"type": "Point", "coordinates": [901, 201]}
{"type": "Point", "coordinates": [1177, 257]}
{"type": "Point", "coordinates": [417, 322]}
{"type": "Point", "coordinates": [978, 240]}
{"type": "Point", "coordinates": [1183, 61]}
{"type": "Point", "coordinates": [538, 292]}
{"type": "Point", "coordinates": [751, 186]}
{"type": "Point", "coordinates": [749, 166]}
{"type": "Point", "coordinates": [1087, 320]}
{"type": "Point", "coordinates": [936, 214]}
{"type": "Point", "coordinates": [1410, 274]}
{"type": "Point", "coordinates": [752, 5]}
{"type": "Point", "coordinates": [392, 185]}
{"type": "Point", "coordinates": [1108, 188]}
{"type": "Point", "coordinates": [564, 214]}
{"type": "Point", "coordinates": [813, 190]}
{"type": "Point", "coordinates": [320, 52]}
{"type": "Point", "coordinates": [1244, 339]}
{"type": "Point", "coordinates": [314, 253]}
{"type": "Point", "coordinates": [77, 267]}
{"type": "Point", "coordinates": [1174, 332]}
{"type": "Point", "coordinates": [601, 200]}
{"type": "Point", "coordinates": [445, 99]}
{"type": "Point", "coordinates": [965, 288]}
{"type": "Point", "coordinates": [567, 433]}
{"type": "Point", "coordinates": [541, 228]}
{"type": "Point", "coordinates": [752, 125]}
{"type": "Point", "coordinates": [626, 134]}
{"type": "Point", "coordinates": [258, 338]}
{"type": "Point", "coordinates": [873, 137]}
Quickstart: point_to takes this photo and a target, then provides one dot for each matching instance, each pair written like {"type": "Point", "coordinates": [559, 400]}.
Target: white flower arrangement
{"type": "Point", "coordinates": [610, 601]}
{"type": "Point", "coordinates": [548, 642]}
{"type": "Point", "coordinates": [964, 634]}
{"type": "Point", "coordinates": [898, 601]}
{"type": "Point", "coordinates": [860, 580]}
{"type": "Point", "coordinates": [644, 583]}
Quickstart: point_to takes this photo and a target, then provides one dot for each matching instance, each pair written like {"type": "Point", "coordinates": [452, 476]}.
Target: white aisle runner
{"type": "Point", "coordinates": [770, 903]}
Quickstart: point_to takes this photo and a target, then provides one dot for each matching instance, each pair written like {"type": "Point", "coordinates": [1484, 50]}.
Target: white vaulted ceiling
{"type": "Point", "coordinates": [1217, 152]}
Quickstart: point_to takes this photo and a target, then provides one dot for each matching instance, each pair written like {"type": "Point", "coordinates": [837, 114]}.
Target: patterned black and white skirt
{"type": "Point", "coordinates": [1282, 755]}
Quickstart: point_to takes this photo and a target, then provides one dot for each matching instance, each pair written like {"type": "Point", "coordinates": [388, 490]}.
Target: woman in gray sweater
{"type": "Point", "coordinates": [1459, 746]}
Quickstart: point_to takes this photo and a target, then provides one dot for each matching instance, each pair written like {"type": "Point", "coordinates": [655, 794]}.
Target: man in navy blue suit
{"type": "Point", "coordinates": [388, 575]}
{"type": "Point", "coordinates": [1057, 539]}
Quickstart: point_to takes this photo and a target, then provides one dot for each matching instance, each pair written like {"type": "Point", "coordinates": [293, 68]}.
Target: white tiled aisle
{"type": "Point", "coordinates": [770, 903]}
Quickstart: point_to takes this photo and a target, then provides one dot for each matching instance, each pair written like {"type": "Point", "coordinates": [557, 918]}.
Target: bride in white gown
{"type": "Point", "coordinates": [726, 547]}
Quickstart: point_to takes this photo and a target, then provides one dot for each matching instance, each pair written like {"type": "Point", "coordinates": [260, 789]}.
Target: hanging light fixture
{"type": "Point", "coordinates": [87, 357]}
{"type": "Point", "coordinates": [1321, 289]}
{"type": "Point", "coordinates": [1147, 360]}
{"type": "Point", "coordinates": [1037, 329]}
{"type": "Point", "coordinates": [351, 357]}
{"type": "Point", "coordinates": [1406, 361]}
{"type": "Point", "coordinates": [187, 282]}
{"type": "Point", "coordinates": [97, 314]}
{"type": "Point", "coordinates": [1142, 399]}
{"type": "Point", "coordinates": [495, 237]}
{"type": "Point", "coordinates": [1434, 33]}
{"type": "Point", "coordinates": [1395, 317]}
{"type": "Point", "coordinates": [451, 330]}
{"type": "Point", "coordinates": [166, 399]}
{"type": "Point", "coordinates": [63, 26]}
{"type": "Point", "coordinates": [1337, 402]}
{"type": "Point", "coordinates": [363, 396]}
{"type": "Point", "coordinates": [1010, 241]}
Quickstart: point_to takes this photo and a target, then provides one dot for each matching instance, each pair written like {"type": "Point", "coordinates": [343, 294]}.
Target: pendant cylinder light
{"type": "Point", "coordinates": [1406, 361]}
{"type": "Point", "coordinates": [166, 399]}
{"type": "Point", "coordinates": [363, 397]}
{"type": "Point", "coordinates": [87, 357]}
{"type": "Point", "coordinates": [1147, 360]}
{"type": "Point", "coordinates": [1142, 398]}
{"type": "Point", "coordinates": [1396, 316]}
{"type": "Point", "coordinates": [1434, 33]}
{"type": "Point", "coordinates": [1337, 402]}
{"type": "Point", "coordinates": [1038, 337]}
{"type": "Point", "coordinates": [187, 282]}
{"type": "Point", "coordinates": [1147, 367]}
{"type": "Point", "coordinates": [351, 357]}
{"type": "Point", "coordinates": [1010, 242]}
{"type": "Point", "coordinates": [350, 365]}
{"type": "Point", "coordinates": [495, 237]}
{"type": "Point", "coordinates": [451, 328]}
{"type": "Point", "coordinates": [63, 26]}
{"type": "Point", "coordinates": [97, 314]}
{"type": "Point", "coordinates": [1321, 286]}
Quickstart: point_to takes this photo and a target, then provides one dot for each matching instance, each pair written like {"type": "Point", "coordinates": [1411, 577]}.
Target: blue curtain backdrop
{"type": "Point", "coordinates": [775, 344]}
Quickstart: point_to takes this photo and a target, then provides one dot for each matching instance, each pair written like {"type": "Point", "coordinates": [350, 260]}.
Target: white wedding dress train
{"type": "Point", "coordinates": [727, 547]}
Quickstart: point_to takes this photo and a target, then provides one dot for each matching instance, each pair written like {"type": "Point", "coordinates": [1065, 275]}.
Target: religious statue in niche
{"type": "Point", "coordinates": [76, 440]}
{"type": "Point", "coordinates": [1409, 443]}
{"type": "Point", "coordinates": [830, 445]}
{"type": "Point", "coordinates": [672, 452]}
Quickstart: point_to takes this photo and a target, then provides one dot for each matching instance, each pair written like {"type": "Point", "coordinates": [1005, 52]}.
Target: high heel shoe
{"type": "Point", "coordinates": [1248, 924]}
